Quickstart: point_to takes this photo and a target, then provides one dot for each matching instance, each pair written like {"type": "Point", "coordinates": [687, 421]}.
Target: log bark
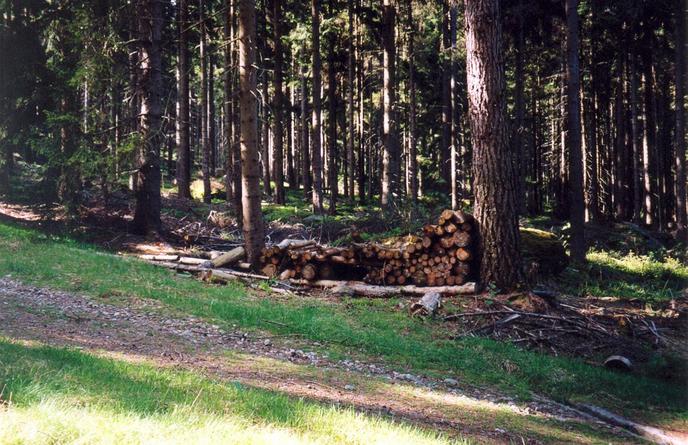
{"type": "Point", "coordinates": [369, 290]}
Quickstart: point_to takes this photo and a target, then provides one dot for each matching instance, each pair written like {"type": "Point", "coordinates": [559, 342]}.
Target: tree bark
{"type": "Point", "coordinates": [493, 170]}
{"type": "Point", "coordinates": [316, 158]}
{"type": "Point", "coordinates": [519, 127]}
{"type": "Point", "coordinates": [278, 103]}
{"type": "Point", "coordinates": [390, 140]}
{"type": "Point", "coordinates": [147, 176]}
{"type": "Point", "coordinates": [649, 142]}
{"type": "Point", "coordinates": [305, 145]}
{"type": "Point", "coordinates": [635, 136]}
{"type": "Point", "coordinates": [183, 147]}
{"type": "Point", "coordinates": [253, 230]}
{"type": "Point", "coordinates": [680, 151]}
{"type": "Point", "coordinates": [332, 154]}
{"type": "Point", "coordinates": [228, 84]}
{"type": "Point", "coordinates": [576, 185]}
{"type": "Point", "coordinates": [205, 138]}
{"type": "Point", "coordinates": [413, 150]}
{"type": "Point", "coordinates": [350, 100]}
{"type": "Point", "coordinates": [445, 136]}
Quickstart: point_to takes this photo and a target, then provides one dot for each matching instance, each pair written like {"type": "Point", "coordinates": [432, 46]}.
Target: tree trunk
{"type": "Point", "coordinates": [573, 127]}
{"type": "Point", "coordinates": [390, 141]}
{"type": "Point", "coordinates": [350, 100]}
{"type": "Point", "coordinates": [453, 88]}
{"type": "Point", "coordinates": [649, 142]}
{"type": "Point", "coordinates": [253, 230]}
{"type": "Point", "coordinates": [278, 103]}
{"type": "Point", "coordinates": [445, 136]}
{"type": "Point", "coordinates": [205, 138]}
{"type": "Point", "coordinates": [519, 127]}
{"type": "Point", "coordinates": [305, 146]}
{"type": "Point", "coordinates": [681, 215]}
{"type": "Point", "coordinates": [413, 150]}
{"type": "Point", "coordinates": [147, 213]}
{"type": "Point", "coordinates": [212, 130]}
{"type": "Point", "coordinates": [332, 155]}
{"type": "Point", "coordinates": [316, 159]}
{"type": "Point", "coordinates": [493, 170]}
{"type": "Point", "coordinates": [183, 147]}
{"type": "Point", "coordinates": [635, 136]}
{"type": "Point", "coordinates": [228, 79]}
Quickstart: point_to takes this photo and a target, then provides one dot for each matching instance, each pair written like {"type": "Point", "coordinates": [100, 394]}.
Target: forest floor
{"type": "Point", "coordinates": [124, 345]}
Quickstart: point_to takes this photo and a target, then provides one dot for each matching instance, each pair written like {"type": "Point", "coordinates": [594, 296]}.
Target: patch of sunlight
{"type": "Point", "coordinates": [460, 401]}
{"type": "Point", "coordinates": [59, 421]}
{"type": "Point", "coordinates": [642, 265]}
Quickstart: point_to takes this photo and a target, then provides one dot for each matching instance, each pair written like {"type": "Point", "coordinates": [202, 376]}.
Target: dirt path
{"type": "Point", "coordinates": [142, 332]}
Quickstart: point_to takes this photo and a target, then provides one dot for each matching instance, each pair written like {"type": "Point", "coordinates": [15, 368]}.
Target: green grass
{"type": "Point", "coordinates": [610, 274]}
{"type": "Point", "coordinates": [120, 402]}
{"type": "Point", "coordinates": [371, 328]}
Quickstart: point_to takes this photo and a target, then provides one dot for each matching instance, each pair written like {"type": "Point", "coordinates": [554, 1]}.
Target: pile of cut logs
{"type": "Point", "coordinates": [440, 256]}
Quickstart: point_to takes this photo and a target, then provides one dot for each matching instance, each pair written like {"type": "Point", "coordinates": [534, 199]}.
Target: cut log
{"type": "Point", "coordinates": [229, 258]}
{"type": "Point", "coordinates": [295, 243]}
{"type": "Point", "coordinates": [269, 270]}
{"type": "Point", "coordinates": [309, 272]}
{"type": "Point", "coordinates": [369, 290]}
{"type": "Point", "coordinates": [428, 305]}
{"type": "Point", "coordinates": [160, 257]}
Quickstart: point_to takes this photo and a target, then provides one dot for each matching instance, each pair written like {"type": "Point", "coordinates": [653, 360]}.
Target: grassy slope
{"type": "Point", "coordinates": [371, 328]}
{"type": "Point", "coordinates": [119, 402]}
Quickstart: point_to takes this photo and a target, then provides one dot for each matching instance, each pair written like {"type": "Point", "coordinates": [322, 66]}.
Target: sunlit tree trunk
{"type": "Point", "coordinates": [494, 178]}
{"type": "Point", "coordinates": [316, 159]}
{"type": "Point", "coordinates": [390, 139]}
{"type": "Point", "coordinates": [573, 133]}
{"type": "Point", "coordinates": [183, 148]}
{"type": "Point", "coordinates": [253, 229]}
{"type": "Point", "coordinates": [680, 161]}
{"type": "Point", "coordinates": [147, 176]}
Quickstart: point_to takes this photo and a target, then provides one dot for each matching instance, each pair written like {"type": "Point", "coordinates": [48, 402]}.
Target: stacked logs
{"type": "Point", "coordinates": [439, 256]}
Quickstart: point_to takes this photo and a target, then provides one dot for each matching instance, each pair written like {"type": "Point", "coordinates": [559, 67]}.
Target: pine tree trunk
{"type": "Point", "coordinates": [680, 151]}
{"type": "Point", "coordinates": [305, 145]}
{"type": "Point", "coordinates": [519, 127]}
{"type": "Point", "coordinates": [316, 158]}
{"type": "Point", "coordinates": [278, 103]}
{"type": "Point", "coordinates": [228, 86]}
{"type": "Point", "coordinates": [332, 154]}
{"type": "Point", "coordinates": [494, 178]}
{"type": "Point", "coordinates": [183, 144]}
{"type": "Point", "coordinates": [445, 68]}
{"type": "Point", "coordinates": [635, 136]}
{"type": "Point", "coordinates": [649, 142]}
{"type": "Point", "coordinates": [576, 181]}
{"type": "Point", "coordinates": [413, 150]}
{"type": "Point", "coordinates": [253, 230]}
{"type": "Point", "coordinates": [147, 213]}
{"type": "Point", "coordinates": [212, 130]}
{"type": "Point", "coordinates": [205, 138]}
{"type": "Point", "coordinates": [350, 100]}
{"type": "Point", "coordinates": [453, 89]}
{"type": "Point", "coordinates": [390, 140]}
